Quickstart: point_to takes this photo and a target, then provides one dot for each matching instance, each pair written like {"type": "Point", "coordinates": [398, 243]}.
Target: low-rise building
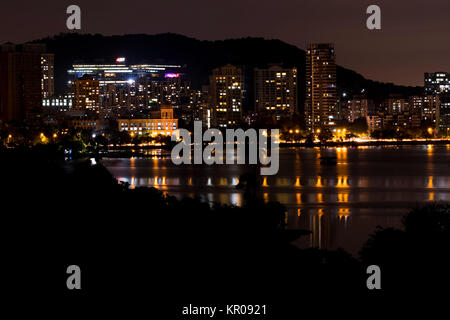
{"type": "Point", "coordinates": [84, 124]}
{"type": "Point", "coordinates": [164, 124]}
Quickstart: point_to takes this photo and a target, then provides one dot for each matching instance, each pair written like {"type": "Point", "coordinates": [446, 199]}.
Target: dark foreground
{"type": "Point", "coordinates": [140, 251]}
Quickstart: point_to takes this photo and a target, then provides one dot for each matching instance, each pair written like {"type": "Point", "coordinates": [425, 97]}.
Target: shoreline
{"type": "Point", "coordinates": [375, 143]}
{"type": "Point", "coordinates": [136, 151]}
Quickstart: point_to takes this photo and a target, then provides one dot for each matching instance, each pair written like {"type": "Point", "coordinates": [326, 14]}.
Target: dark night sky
{"type": "Point", "coordinates": [415, 35]}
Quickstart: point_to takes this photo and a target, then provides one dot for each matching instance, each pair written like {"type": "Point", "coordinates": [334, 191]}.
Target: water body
{"type": "Point", "coordinates": [340, 203]}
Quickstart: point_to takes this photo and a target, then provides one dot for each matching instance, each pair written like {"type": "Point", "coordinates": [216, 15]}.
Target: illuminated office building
{"type": "Point", "coordinates": [120, 73]}
{"type": "Point", "coordinates": [173, 91]}
{"type": "Point", "coordinates": [141, 85]}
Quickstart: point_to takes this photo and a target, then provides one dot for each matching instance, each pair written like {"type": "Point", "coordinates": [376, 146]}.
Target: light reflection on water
{"type": "Point", "coordinates": [341, 204]}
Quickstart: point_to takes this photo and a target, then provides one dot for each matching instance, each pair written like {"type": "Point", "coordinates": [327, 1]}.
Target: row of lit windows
{"type": "Point", "coordinates": [147, 124]}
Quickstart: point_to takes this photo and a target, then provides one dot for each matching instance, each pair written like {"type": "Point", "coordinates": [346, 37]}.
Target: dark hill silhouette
{"type": "Point", "coordinates": [201, 57]}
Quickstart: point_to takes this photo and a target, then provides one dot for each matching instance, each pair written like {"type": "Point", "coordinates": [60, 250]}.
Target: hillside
{"type": "Point", "coordinates": [201, 57]}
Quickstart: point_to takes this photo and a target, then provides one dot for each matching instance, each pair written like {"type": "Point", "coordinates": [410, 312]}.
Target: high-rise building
{"type": "Point", "coordinates": [437, 82]}
{"type": "Point", "coordinates": [86, 94]}
{"type": "Point", "coordinates": [48, 73]}
{"type": "Point", "coordinates": [321, 93]}
{"type": "Point", "coordinates": [356, 108]}
{"type": "Point", "coordinates": [395, 104]}
{"type": "Point", "coordinates": [226, 96]}
{"type": "Point", "coordinates": [415, 105]}
{"type": "Point", "coordinates": [427, 106]}
{"type": "Point", "coordinates": [20, 81]}
{"type": "Point", "coordinates": [374, 122]}
{"type": "Point", "coordinates": [431, 109]}
{"type": "Point", "coordinates": [444, 115]}
{"type": "Point", "coordinates": [276, 90]}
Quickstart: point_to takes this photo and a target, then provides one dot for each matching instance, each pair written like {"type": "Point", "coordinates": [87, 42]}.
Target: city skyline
{"type": "Point", "coordinates": [116, 90]}
{"type": "Point", "coordinates": [383, 55]}
{"type": "Point", "coordinates": [305, 156]}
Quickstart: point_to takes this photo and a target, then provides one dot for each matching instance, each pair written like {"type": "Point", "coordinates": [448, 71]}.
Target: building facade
{"type": "Point", "coordinates": [437, 83]}
{"type": "Point", "coordinates": [20, 81]}
{"type": "Point", "coordinates": [86, 94]}
{"type": "Point", "coordinates": [162, 124]}
{"type": "Point", "coordinates": [59, 103]}
{"type": "Point", "coordinates": [321, 92]}
{"type": "Point", "coordinates": [428, 107]}
{"type": "Point", "coordinates": [48, 75]}
{"type": "Point", "coordinates": [226, 96]}
{"type": "Point", "coordinates": [356, 108]}
{"type": "Point", "coordinates": [395, 105]}
{"type": "Point", "coordinates": [276, 90]}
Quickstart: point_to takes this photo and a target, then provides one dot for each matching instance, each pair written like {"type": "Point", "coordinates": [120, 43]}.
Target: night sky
{"type": "Point", "coordinates": [415, 35]}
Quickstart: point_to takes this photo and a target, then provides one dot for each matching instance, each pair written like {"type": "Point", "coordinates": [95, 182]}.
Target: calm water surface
{"type": "Point", "coordinates": [341, 204]}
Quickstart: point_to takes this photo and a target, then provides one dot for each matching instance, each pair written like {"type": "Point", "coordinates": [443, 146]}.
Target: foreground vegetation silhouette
{"type": "Point", "coordinates": [130, 241]}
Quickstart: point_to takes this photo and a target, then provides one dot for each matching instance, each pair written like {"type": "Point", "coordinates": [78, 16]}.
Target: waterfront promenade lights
{"type": "Point", "coordinates": [43, 138]}
{"type": "Point", "coordinates": [339, 133]}
{"type": "Point", "coordinates": [317, 134]}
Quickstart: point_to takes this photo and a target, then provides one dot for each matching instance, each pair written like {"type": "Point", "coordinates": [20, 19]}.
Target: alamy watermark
{"type": "Point", "coordinates": [213, 153]}
{"type": "Point", "coordinates": [73, 22]}
{"type": "Point", "coordinates": [374, 20]}
{"type": "Point", "coordinates": [74, 280]}
{"type": "Point", "coordinates": [374, 280]}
